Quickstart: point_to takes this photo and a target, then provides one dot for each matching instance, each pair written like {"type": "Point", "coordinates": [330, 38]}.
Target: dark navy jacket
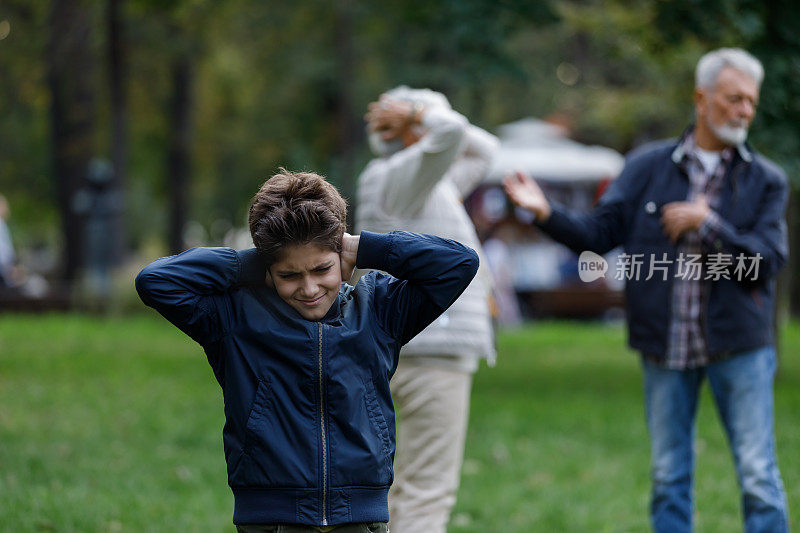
{"type": "Point", "coordinates": [737, 315]}
{"type": "Point", "coordinates": [309, 423]}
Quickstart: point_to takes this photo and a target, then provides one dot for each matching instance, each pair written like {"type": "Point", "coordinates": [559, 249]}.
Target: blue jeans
{"type": "Point", "coordinates": [742, 390]}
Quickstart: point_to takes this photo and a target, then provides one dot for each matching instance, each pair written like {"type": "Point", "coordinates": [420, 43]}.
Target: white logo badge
{"type": "Point", "coordinates": [591, 266]}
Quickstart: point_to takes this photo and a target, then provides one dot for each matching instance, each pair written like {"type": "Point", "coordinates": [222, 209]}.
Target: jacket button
{"type": "Point", "coordinates": [650, 208]}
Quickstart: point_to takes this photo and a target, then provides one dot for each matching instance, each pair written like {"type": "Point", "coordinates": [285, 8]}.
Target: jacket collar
{"type": "Point", "coordinates": [336, 307]}
{"type": "Point", "coordinates": [744, 150]}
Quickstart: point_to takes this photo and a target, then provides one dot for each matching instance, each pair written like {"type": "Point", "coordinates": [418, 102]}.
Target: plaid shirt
{"type": "Point", "coordinates": [686, 346]}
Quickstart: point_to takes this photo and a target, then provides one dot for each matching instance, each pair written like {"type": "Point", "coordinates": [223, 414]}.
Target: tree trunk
{"type": "Point", "coordinates": [117, 73]}
{"type": "Point", "coordinates": [70, 67]}
{"type": "Point", "coordinates": [346, 117]}
{"type": "Point", "coordinates": [179, 159]}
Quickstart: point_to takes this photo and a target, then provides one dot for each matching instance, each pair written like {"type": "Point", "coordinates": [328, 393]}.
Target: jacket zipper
{"type": "Point", "coordinates": [322, 431]}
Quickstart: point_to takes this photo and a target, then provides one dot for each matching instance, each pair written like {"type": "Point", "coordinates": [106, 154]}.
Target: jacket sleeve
{"type": "Point", "coordinates": [189, 289]}
{"type": "Point", "coordinates": [473, 163]}
{"type": "Point", "coordinates": [412, 173]}
{"type": "Point", "coordinates": [606, 226]}
{"type": "Point", "coordinates": [765, 243]}
{"type": "Point", "coordinates": [427, 274]}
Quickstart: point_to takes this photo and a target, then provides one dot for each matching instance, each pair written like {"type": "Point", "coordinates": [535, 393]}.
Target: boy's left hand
{"type": "Point", "coordinates": [348, 255]}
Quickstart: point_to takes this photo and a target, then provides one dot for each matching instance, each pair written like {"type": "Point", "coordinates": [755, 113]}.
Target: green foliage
{"type": "Point", "coordinates": [273, 79]}
{"type": "Point", "coordinates": [115, 425]}
{"type": "Point", "coordinates": [24, 131]}
{"type": "Point", "coordinates": [772, 32]}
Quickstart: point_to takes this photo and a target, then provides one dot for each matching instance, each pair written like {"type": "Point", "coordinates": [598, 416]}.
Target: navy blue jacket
{"type": "Point", "coordinates": [309, 430]}
{"type": "Point", "coordinates": [737, 315]}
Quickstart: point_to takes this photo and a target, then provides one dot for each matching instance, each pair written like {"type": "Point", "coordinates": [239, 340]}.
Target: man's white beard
{"type": "Point", "coordinates": [732, 135]}
{"type": "Point", "coordinates": [383, 148]}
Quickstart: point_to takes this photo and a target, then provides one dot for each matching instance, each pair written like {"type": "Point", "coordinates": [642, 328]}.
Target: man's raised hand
{"type": "Point", "coordinates": [525, 193]}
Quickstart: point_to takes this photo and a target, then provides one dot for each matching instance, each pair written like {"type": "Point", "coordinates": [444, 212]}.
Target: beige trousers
{"type": "Point", "coordinates": [433, 404]}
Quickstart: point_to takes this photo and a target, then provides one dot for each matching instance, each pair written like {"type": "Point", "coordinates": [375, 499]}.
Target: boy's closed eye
{"type": "Point", "coordinates": [292, 275]}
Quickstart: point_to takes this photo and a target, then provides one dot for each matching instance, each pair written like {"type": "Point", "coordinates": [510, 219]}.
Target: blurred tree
{"type": "Point", "coordinates": [118, 84]}
{"type": "Point", "coordinates": [777, 44]}
{"type": "Point", "coordinates": [220, 94]}
{"type": "Point", "coordinates": [184, 26]}
{"type": "Point", "coordinates": [458, 47]}
{"type": "Point", "coordinates": [344, 111]}
{"type": "Point", "coordinates": [25, 162]}
{"type": "Point", "coordinates": [180, 139]}
{"type": "Point", "coordinates": [70, 75]}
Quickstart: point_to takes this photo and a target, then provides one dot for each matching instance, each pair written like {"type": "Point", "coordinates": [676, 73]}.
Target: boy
{"type": "Point", "coordinates": [304, 360]}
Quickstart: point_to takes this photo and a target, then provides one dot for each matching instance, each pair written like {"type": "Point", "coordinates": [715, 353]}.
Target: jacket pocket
{"type": "Point", "coordinates": [376, 417]}
{"type": "Point", "coordinates": [249, 470]}
{"type": "Point", "coordinates": [258, 412]}
{"type": "Point", "coordinates": [279, 445]}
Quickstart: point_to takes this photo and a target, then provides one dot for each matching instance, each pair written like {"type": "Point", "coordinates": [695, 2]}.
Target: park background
{"type": "Point", "coordinates": [111, 421]}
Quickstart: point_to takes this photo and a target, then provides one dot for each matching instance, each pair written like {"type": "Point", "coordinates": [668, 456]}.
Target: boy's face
{"type": "Point", "coordinates": [307, 277]}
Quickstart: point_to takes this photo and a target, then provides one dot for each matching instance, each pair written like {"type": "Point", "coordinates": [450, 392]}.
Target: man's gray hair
{"type": "Point", "coordinates": [710, 65]}
{"type": "Point", "coordinates": [425, 97]}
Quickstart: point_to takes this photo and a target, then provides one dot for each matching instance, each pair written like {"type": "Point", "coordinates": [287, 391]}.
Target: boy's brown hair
{"type": "Point", "coordinates": [296, 208]}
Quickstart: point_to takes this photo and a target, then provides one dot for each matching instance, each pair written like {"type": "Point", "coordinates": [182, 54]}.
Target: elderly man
{"type": "Point", "coordinates": [701, 222]}
{"type": "Point", "coordinates": [428, 159]}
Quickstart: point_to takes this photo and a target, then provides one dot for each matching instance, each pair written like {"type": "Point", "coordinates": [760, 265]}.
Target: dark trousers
{"type": "Point", "coordinates": [374, 527]}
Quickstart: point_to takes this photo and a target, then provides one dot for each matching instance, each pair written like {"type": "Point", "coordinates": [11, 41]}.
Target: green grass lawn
{"type": "Point", "coordinates": [115, 425]}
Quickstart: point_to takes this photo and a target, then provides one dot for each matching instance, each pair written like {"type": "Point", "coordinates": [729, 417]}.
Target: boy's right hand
{"type": "Point", "coordinates": [348, 255]}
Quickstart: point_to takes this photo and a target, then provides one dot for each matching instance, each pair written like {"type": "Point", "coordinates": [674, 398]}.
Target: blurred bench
{"type": "Point", "coordinates": [584, 301]}
{"type": "Point", "coordinates": [55, 299]}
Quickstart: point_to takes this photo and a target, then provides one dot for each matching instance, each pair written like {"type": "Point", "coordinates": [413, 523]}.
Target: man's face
{"type": "Point", "coordinates": [307, 277]}
{"type": "Point", "coordinates": [729, 107]}
{"type": "Point", "coordinates": [381, 147]}
{"type": "Point", "coordinates": [389, 126]}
